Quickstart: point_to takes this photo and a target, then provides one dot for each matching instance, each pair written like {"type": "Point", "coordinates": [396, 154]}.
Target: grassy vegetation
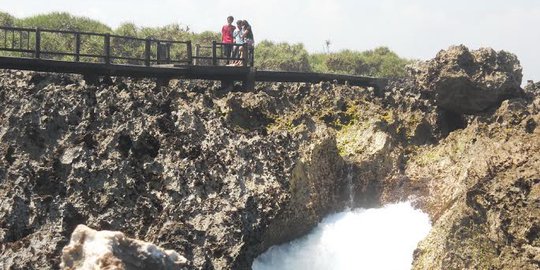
{"type": "Point", "coordinates": [380, 62]}
{"type": "Point", "coordinates": [63, 21]}
{"type": "Point", "coordinates": [282, 56]}
{"type": "Point", "coordinates": [6, 19]}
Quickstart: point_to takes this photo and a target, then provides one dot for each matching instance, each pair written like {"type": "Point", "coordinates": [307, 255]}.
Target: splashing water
{"type": "Point", "coordinates": [382, 238]}
{"type": "Point", "coordinates": [350, 185]}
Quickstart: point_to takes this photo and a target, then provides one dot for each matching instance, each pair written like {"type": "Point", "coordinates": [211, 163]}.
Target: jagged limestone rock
{"type": "Point", "coordinates": [180, 167]}
{"type": "Point", "coordinates": [99, 250]}
{"type": "Point", "coordinates": [469, 82]}
{"type": "Point", "coordinates": [165, 165]}
{"type": "Point", "coordinates": [481, 188]}
{"type": "Point", "coordinates": [316, 186]}
{"type": "Point", "coordinates": [532, 87]}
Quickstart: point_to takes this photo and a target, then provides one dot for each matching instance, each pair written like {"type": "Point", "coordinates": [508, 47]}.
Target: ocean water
{"type": "Point", "coordinates": [378, 238]}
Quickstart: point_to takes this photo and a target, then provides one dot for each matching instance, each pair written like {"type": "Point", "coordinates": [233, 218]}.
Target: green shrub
{"type": "Point", "coordinates": [281, 56]}
{"type": "Point", "coordinates": [6, 19]}
{"type": "Point", "coordinates": [348, 62]}
{"type": "Point", "coordinates": [127, 29]}
{"type": "Point", "coordinates": [63, 21]}
{"type": "Point", "coordinates": [380, 62]}
{"type": "Point", "coordinates": [317, 62]}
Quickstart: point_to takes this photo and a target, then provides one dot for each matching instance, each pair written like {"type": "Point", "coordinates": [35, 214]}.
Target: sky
{"type": "Point", "coordinates": [415, 29]}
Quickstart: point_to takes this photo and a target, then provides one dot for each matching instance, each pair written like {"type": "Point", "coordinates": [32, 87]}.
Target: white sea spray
{"type": "Point", "coordinates": [383, 238]}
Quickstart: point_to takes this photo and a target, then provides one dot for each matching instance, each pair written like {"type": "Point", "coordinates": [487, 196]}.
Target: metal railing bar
{"type": "Point", "coordinates": [127, 58]}
{"type": "Point", "coordinates": [218, 58]}
{"type": "Point", "coordinates": [203, 57]}
{"type": "Point", "coordinates": [16, 50]}
{"type": "Point", "coordinates": [170, 41]}
{"type": "Point", "coordinates": [180, 61]}
{"type": "Point", "coordinates": [9, 28]}
{"type": "Point", "coordinates": [109, 48]}
{"type": "Point", "coordinates": [233, 44]}
{"type": "Point", "coordinates": [128, 37]}
{"type": "Point", "coordinates": [77, 47]}
{"type": "Point", "coordinates": [170, 62]}
{"type": "Point", "coordinates": [72, 32]}
{"type": "Point", "coordinates": [37, 53]}
{"type": "Point", "coordinates": [28, 40]}
{"type": "Point", "coordinates": [72, 54]}
{"type": "Point", "coordinates": [91, 55]}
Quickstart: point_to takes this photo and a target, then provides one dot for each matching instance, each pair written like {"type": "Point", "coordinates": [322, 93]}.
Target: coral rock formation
{"type": "Point", "coordinates": [93, 250]}
{"type": "Point", "coordinates": [470, 81]}
{"type": "Point", "coordinates": [221, 176]}
{"type": "Point", "coordinates": [176, 166]}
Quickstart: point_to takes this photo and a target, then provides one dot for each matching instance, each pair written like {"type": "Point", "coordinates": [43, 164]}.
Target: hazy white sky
{"type": "Point", "coordinates": [412, 28]}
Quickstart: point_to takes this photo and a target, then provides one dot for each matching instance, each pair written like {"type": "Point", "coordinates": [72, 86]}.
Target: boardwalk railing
{"type": "Point", "coordinates": [100, 54]}
{"type": "Point", "coordinates": [105, 48]}
{"type": "Point", "coordinates": [217, 54]}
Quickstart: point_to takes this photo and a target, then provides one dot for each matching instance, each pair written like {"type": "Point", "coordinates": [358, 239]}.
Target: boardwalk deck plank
{"type": "Point", "coordinates": [223, 73]}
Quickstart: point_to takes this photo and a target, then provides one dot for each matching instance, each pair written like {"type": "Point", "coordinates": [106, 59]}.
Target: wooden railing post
{"type": "Point", "coordinates": [252, 56]}
{"type": "Point", "coordinates": [159, 52]}
{"type": "Point", "coordinates": [37, 53]}
{"type": "Point", "coordinates": [214, 53]}
{"type": "Point", "coordinates": [107, 48]}
{"type": "Point", "coordinates": [197, 53]}
{"type": "Point", "coordinates": [245, 55]}
{"type": "Point", "coordinates": [77, 47]}
{"type": "Point", "coordinates": [189, 53]}
{"type": "Point", "coordinates": [147, 49]}
{"type": "Point", "coordinates": [28, 40]}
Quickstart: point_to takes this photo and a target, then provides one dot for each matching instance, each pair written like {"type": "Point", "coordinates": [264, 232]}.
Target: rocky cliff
{"type": "Point", "coordinates": [220, 175]}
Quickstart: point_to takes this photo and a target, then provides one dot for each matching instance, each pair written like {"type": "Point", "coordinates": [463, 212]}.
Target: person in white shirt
{"type": "Point", "coordinates": [238, 38]}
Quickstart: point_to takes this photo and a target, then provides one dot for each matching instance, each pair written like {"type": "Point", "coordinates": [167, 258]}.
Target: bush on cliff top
{"type": "Point", "coordinates": [6, 19]}
{"type": "Point", "coordinates": [380, 62]}
{"type": "Point", "coordinates": [63, 21]}
{"type": "Point", "coordinates": [282, 56]}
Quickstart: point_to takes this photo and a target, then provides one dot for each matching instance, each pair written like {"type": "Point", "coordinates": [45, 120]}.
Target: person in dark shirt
{"type": "Point", "coordinates": [248, 34]}
{"type": "Point", "coordinates": [227, 37]}
{"type": "Point", "coordinates": [249, 40]}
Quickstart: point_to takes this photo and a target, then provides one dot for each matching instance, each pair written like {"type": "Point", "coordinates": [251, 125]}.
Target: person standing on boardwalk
{"type": "Point", "coordinates": [243, 35]}
{"type": "Point", "coordinates": [227, 37]}
{"type": "Point", "coordinates": [238, 39]}
{"type": "Point", "coordinates": [247, 35]}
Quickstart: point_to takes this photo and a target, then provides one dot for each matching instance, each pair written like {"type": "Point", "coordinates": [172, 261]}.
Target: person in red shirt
{"type": "Point", "coordinates": [227, 37]}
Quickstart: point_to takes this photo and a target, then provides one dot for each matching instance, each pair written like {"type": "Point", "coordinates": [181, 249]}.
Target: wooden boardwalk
{"type": "Point", "coordinates": [30, 49]}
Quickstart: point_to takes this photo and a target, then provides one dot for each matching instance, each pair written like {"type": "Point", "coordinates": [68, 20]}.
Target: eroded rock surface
{"type": "Point", "coordinates": [532, 87]}
{"type": "Point", "coordinates": [178, 166]}
{"type": "Point", "coordinates": [221, 176]}
{"type": "Point", "coordinates": [93, 250]}
{"type": "Point", "coordinates": [483, 185]}
{"type": "Point", "coordinates": [470, 81]}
